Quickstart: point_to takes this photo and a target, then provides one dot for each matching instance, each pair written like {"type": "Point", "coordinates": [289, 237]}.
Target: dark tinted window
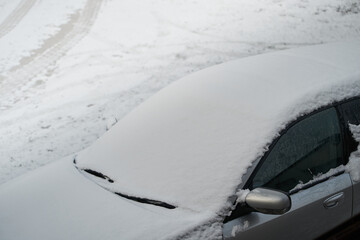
{"type": "Point", "coordinates": [351, 114]}
{"type": "Point", "coordinates": [351, 111]}
{"type": "Point", "coordinates": [310, 147]}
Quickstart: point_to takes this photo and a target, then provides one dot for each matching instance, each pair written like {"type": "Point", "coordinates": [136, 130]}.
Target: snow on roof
{"type": "Point", "coordinates": [190, 144]}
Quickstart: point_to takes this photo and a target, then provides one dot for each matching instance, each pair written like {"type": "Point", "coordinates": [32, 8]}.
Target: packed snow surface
{"type": "Point", "coordinates": [70, 69]}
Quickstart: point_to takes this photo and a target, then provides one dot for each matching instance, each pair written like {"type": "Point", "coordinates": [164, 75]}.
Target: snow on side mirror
{"type": "Point", "coordinates": [268, 201]}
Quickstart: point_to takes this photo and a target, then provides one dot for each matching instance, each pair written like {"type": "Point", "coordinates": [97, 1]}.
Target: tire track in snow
{"type": "Point", "coordinates": [221, 39]}
{"type": "Point", "coordinates": [16, 16]}
{"type": "Point", "coordinates": [16, 83]}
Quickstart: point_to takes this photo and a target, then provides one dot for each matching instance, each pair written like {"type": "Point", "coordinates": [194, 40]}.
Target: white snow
{"type": "Point", "coordinates": [36, 27]}
{"type": "Point", "coordinates": [60, 99]}
{"type": "Point", "coordinates": [70, 69]}
{"type": "Point", "coordinates": [241, 195]}
{"type": "Point", "coordinates": [321, 176]}
{"type": "Point", "coordinates": [239, 228]}
{"type": "Point", "coordinates": [353, 166]}
{"type": "Point", "coordinates": [6, 8]}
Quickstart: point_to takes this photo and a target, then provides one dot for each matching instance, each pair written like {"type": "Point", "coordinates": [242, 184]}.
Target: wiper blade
{"type": "Point", "coordinates": [137, 199]}
{"type": "Point", "coordinates": [98, 174]}
{"type": "Point", "coordinates": [146, 201]}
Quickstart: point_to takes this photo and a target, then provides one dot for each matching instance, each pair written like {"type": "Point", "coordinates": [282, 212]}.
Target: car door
{"type": "Point", "coordinates": [306, 162]}
{"type": "Point", "coordinates": [350, 114]}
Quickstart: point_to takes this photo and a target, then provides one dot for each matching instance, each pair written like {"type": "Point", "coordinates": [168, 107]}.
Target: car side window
{"type": "Point", "coordinates": [310, 147]}
{"type": "Point", "coordinates": [351, 114]}
{"type": "Point", "coordinates": [351, 111]}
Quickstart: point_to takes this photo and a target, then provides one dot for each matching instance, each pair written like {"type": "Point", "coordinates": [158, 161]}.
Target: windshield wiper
{"type": "Point", "coordinates": [146, 201]}
{"type": "Point", "coordinates": [98, 174]}
{"type": "Point", "coordinates": [137, 199]}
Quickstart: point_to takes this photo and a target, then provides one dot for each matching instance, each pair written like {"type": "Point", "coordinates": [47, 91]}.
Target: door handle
{"type": "Point", "coordinates": [334, 200]}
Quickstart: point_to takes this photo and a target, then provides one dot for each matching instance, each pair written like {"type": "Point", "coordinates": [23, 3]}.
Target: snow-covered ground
{"type": "Point", "coordinates": [70, 69]}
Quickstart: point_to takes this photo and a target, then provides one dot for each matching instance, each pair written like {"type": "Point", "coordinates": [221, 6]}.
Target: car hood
{"type": "Point", "coordinates": [58, 202]}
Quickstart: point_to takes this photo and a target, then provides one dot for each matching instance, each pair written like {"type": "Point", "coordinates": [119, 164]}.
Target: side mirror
{"type": "Point", "coordinates": [268, 201]}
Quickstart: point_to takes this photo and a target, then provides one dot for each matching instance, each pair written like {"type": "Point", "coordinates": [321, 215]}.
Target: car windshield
{"type": "Point", "coordinates": [182, 147]}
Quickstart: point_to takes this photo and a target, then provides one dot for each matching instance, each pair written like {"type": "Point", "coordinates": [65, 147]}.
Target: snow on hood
{"type": "Point", "coordinates": [190, 144]}
{"type": "Point", "coordinates": [58, 202]}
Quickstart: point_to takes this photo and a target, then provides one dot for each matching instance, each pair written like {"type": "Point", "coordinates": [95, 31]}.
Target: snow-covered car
{"type": "Point", "coordinates": [263, 147]}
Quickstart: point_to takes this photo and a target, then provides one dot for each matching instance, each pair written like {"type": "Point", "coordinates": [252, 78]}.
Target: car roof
{"type": "Point", "coordinates": [191, 143]}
